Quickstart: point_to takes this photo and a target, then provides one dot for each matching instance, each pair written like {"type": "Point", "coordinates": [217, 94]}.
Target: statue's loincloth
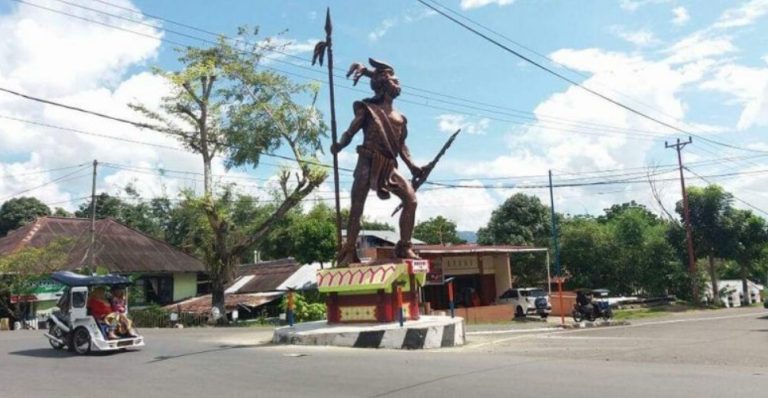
{"type": "Point", "coordinates": [382, 172]}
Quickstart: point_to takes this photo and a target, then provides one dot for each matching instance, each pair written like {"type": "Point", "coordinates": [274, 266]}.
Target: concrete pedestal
{"type": "Point", "coordinates": [426, 333]}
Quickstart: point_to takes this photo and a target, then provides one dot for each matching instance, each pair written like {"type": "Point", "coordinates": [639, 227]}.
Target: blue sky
{"type": "Point", "coordinates": [702, 66]}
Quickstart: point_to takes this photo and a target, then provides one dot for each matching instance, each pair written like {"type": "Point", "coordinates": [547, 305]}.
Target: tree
{"type": "Point", "coordinates": [19, 211]}
{"type": "Point", "coordinates": [365, 223]}
{"type": "Point", "coordinates": [61, 212]}
{"type": "Point", "coordinates": [314, 236]}
{"type": "Point", "coordinates": [21, 272]}
{"type": "Point", "coordinates": [309, 237]}
{"type": "Point", "coordinates": [231, 107]}
{"type": "Point", "coordinates": [619, 209]}
{"type": "Point", "coordinates": [107, 206]}
{"type": "Point", "coordinates": [749, 236]}
{"type": "Point", "coordinates": [520, 220]}
{"type": "Point", "coordinates": [709, 207]}
{"type": "Point", "coordinates": [150, 217]}
{"type": "Point", "coordinates": [437, 231]}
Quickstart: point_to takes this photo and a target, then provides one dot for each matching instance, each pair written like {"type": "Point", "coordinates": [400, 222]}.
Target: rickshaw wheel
{"type": "Point", "coordinates": [55, 331]}
{"type": "Point", "coordinates": [81, 341]}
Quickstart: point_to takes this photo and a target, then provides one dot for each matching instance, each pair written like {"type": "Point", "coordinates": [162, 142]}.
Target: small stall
{"type": "Point", "coordinates": [373, 292]}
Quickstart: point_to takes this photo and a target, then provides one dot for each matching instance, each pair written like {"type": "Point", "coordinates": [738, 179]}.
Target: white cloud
{"type": "Point", "coordinates": [697, 46]}
{"type": "Point", "coordinates": [470, 210]}
{"type": "Point", "coordinates": [745, 15]}
{"type": "Point", "coordinates": [640, 38]}
{"type": "Point", "coordinates": [748, 86]}
{"type": "Point", "coordinates": [681, 16]}
{"type": "Point", "coordinates": [469, 4]}
{"type": "Point", "coordinates": [87, 65]}
{"type": "Point", "coordinates": [634, 5]}
{"type": "Point", "coordinates": [410, 16]}
{"type": "Point", "coordinates": [449, 123]}
{"type": "Point", "coordinates": [382, 29]}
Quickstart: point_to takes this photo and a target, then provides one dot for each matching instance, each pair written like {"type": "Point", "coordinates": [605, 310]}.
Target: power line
{"type": "Point", "coordinates": [516, 113]}
{"type": "Point", "coordinates": [575, 83]}
{"type": "Point", "coordinates": [438, 185]}
{"type": "Point", "coordinates": [599, 173]}
{"type": "Point", "coordinates": [66, 177]}
{"type": "Point", "coordinates": [145, 126]}
{"type": "Point", "coordinates": [734, 196]}
{"type": "Point", "coordinates": [13, 175]}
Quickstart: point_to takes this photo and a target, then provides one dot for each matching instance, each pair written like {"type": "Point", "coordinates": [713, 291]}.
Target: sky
{"type": "Point", "coordinates": [700, 67]}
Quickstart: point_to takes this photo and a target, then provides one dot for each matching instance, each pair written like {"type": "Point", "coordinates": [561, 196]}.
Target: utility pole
{"type": "Point", "coordinates": [89, 264]}
{"type": "Point", "coordinates": [555, 243]}
{"type": "Point", "coordinates": [687, 217]}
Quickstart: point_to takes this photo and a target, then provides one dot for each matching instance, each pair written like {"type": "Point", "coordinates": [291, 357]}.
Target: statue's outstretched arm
{"type": "Point", "coordinates": [405, 154]}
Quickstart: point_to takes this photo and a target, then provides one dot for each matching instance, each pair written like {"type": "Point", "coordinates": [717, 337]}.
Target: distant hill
{"type": "Point", "coordinates": [469, 236]}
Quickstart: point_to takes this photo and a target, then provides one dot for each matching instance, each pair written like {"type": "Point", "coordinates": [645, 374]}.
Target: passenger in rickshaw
{"type": "Point", "coordinates": [100, 309]}
{"type": "Point", "coordinates": [118, 316]}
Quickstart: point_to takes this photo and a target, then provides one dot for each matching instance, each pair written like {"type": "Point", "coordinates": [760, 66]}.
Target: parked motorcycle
{"type": "Point", "coordinates": [591, 305]}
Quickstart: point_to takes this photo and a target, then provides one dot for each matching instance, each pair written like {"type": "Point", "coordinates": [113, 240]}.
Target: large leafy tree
{"type": "Point", "coordinates": [223, 103]}
{"type": "Point", "coordinates": [23, 270]}
{"type": "Point", "coordinates": [626, 250]}
{"type": "Point", "coordinates": [309, 237]}
{"type": "Point", "coordinates": [521, 219]}
{"type": "Point", "coordinates": [314, 235]}
{"type": "Point", "coordinates": [437, 230]}
{"type": "Point", "coordinates": [150, 217]}
{"type": "Point", "coordinates": [16, 212]}
{"type": "Point", "coordinates": [709, 209]}
{"type": "Point", "coordinates": [748, 240]}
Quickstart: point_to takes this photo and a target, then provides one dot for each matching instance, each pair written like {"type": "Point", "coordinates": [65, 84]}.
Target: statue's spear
{"type": "Point", "coordinates": [417, 181]}
{"type": "Point", "coordinates": [320, 50]}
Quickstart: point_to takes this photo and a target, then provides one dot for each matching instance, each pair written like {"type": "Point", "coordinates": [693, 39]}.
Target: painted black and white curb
{"type": "Point", "coordinates": [434, 332]}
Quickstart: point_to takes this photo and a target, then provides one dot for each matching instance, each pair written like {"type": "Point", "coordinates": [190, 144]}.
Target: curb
{"type": "Point", "coordinates": [431, 335]}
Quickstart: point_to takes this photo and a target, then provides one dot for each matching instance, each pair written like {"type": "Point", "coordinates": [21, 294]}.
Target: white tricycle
{"type": "Point", "coordinates": [73, 327]}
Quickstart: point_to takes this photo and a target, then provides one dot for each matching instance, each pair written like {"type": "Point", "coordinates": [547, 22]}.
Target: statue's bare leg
{"type": "Point", "coordinates": [404, 190]}
{"type": "Point", "coordinates": [360, 188]}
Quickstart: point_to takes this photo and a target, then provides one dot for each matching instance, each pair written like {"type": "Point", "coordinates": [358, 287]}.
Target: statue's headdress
{"type": "Point", "coordinates": [357, 70]}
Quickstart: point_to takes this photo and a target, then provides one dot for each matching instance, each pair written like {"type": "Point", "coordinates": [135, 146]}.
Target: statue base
{"type": "Point", "coordinates": [383, 291]}
{"type": "Point", "coordinates": [429, 332]}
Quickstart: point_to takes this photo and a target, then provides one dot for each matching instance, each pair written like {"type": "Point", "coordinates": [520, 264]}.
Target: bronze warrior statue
{"type": "Point", "coordinates": [384, 134]}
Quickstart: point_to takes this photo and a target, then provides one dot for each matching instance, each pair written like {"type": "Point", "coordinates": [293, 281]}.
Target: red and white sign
{"type": "Point", "coordinates": [418, 266]}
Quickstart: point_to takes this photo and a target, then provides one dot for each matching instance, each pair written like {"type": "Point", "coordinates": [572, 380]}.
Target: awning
{"type": "Point", "coordinates": [353, 279]}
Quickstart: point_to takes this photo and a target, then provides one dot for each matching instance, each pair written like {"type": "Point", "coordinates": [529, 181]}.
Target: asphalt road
{"type": "Point", "coordinates": [710, 354]}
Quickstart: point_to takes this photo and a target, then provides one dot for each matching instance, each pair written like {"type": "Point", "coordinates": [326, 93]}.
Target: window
{"type": "Point", "coordinates": [509, 294]}
{"type": "Point", "coordinates": [78, 299]}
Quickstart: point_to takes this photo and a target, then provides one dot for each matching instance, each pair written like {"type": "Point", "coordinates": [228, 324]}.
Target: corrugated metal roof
{"type": "Point", "coordinates": [472, 249]}
{"type": "Point", "coordinates": [389, 236]}
{"type": "Point", "coordinates": [118, 248]}
{"type": "Point", "coordinates": [202, 304]}
{"type": "Point", "coordinates": [263, 276]}
{"type": "Point", "coordinates": [305, 278]}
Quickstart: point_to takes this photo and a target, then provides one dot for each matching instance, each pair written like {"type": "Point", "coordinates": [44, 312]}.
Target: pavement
{"type": "Point", "coordinates": [719, 353]}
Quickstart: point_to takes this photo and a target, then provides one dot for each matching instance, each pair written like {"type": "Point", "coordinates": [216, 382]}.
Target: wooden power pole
{"type": "Point", "coordinates": [89, 263]}
{"type": "Point", "coordinates": [679, 145]}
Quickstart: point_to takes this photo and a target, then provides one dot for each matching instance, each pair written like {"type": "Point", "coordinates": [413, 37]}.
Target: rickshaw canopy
{"type": "Point", "coordinates": [72, 279]}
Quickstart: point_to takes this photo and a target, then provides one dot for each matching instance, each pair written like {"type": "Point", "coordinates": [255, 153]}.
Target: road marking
{"type": "Point", "coordinates": [511, 331]}
{"type": "Point", "coordinates": [556, 332]}
{"type": "Point", "coordinates": [669, 321]}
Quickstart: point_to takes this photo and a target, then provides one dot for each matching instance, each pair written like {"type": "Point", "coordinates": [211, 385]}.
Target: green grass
{"type": "Point", "coordinates": [652, 312]}
{"type": "Point", "coordinates": [639, 313]}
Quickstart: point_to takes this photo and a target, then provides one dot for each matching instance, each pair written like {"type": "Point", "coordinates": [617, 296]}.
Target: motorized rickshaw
{"type": "Point", "coordinates": [73, 326]}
